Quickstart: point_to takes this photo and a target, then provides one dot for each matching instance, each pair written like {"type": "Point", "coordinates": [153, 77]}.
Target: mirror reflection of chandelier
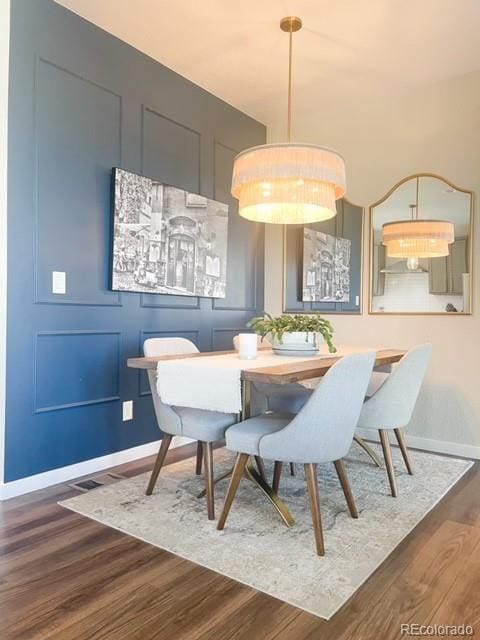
{"type": "Point", "coordinates": [416, 238]}
{"type": "Point", "coordinates": [288, 183]}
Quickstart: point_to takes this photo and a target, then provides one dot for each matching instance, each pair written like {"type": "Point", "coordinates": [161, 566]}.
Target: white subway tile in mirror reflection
{"type": "Point", "coordinates": [409, 292]}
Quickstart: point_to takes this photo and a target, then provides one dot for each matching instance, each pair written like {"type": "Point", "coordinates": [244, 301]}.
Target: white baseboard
{"type": "Point", "coordinates": [88, 467]}
{"type": "Point", "coordinates": [427, 444]}
{"type": "Point", "coordinates": [85, 468]}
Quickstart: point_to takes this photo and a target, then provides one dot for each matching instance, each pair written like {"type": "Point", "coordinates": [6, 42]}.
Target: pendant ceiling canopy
{"type": "Point", "coordinates": [417, 238]}
{"type": "Point", "coordinates": [288, 183]}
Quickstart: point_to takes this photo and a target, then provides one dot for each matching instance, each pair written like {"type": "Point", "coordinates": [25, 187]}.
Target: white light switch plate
{"type": "Point", "coordinates": [59, 282]}
{"type": "Point", "coordinates": [127, 410]}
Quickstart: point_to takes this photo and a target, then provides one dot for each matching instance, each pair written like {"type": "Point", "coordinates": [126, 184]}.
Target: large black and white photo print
{"type": "Point", "coordinates": [167, 240]}
{"type": "Point", "coordinates": [326, 267]}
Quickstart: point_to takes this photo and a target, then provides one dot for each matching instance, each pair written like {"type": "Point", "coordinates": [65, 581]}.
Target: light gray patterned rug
{"type": "Point", "coordinates": [256, 548]}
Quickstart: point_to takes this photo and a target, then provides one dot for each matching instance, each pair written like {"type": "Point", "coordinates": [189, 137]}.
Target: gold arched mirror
{"type": "Point", "coordinates": [421, 247]}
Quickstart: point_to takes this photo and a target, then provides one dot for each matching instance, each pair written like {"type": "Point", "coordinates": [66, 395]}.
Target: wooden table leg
{"type": "Point", "coordinates": [198, 465]}
{"type": "Point", "coordinates": [246, 399]}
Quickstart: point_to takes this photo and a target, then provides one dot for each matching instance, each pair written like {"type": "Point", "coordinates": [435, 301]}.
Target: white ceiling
{"type": "Point", "coordinates": [393, 85]}
{"type": "Point", "coordinates": [348, 50]}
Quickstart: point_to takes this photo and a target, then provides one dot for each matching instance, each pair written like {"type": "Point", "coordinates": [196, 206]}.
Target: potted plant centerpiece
{"type": "Point", "coordinates": [294, 334]}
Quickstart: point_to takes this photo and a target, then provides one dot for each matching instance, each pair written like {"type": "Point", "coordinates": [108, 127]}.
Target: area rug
{"type": "Point", "coordinates": [256, 548]}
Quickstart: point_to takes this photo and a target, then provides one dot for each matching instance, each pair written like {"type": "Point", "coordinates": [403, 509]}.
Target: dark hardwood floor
{"type": "Point", "coordinates": [65, 577]}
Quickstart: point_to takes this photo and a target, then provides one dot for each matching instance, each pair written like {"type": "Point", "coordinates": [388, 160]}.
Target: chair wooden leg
{"type": "Point", "coordinates": [261, 468]}
{"type": "Point", "coordinates": [209, 483]}
{"type": "Point", "coordinates": [292, 468]}
{"type": "Point", "coordinates": [238, 471]}
{"type": "Point", "coordinates": [277, 473]}
{"type": "Point", "coordinates": [166, 440]}
{"type": "Point", "coordinates": [198, 465]}
{"type": "Point", "coordinates": [402, 443]}
{"type": "Point", "coordinates": [347, 491]}
{"type": "Point", "coordinates": [387, 453]}
{"type": "Point", "coordinates": [312, 484]}
{"type": "Point", "coordinates": [368, 450]}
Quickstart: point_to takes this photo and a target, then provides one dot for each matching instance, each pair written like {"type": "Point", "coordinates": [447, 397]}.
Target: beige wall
{"type": "Point", "coordinates": [437, 129]}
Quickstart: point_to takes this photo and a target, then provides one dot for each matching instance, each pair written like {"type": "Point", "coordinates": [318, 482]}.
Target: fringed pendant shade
{"type": "Point", "coordinates": [418, 238]}
{"type": "Point", "coordinates": [288, 183]}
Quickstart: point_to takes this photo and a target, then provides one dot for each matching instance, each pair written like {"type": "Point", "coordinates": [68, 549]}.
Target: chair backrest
{"type": "Point", "coordinates": [168, 347]}
{"type": "Point", "coordinates": [261, 343]}
{"type": "Point", "coordinates": [393, 404]}
{"type": "Point", "coordinates": [167, 418]}
{"type": "Point", "coordinates": [323, 430]}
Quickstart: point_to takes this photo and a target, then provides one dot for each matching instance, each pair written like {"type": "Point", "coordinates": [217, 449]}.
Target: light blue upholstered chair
{"type": "Point", "coordinates": [206, 427]}
{"type": "Point", "coordinates": [379, 375]}
{"type": "Point", "coordinates": [391, 406]}
{"type": "Point", "coordinates": [280, 398]}
{"type": "Point", "coordinates": [322, 431]}
{"type": "Point", "coordinates": [290, 398]}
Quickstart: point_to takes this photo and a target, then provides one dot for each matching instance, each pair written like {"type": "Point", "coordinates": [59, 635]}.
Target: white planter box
{"type": "Point", "coordinates": [296, 342]}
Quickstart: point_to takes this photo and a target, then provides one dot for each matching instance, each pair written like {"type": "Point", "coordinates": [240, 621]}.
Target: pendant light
{"type": "Point", "coordinates": [417, 238]}
{"type": "Point", "coordinates": [288, 183]}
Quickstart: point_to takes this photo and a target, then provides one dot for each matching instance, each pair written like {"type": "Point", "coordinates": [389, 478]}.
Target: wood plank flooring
{"type": "Point", "coordinates": [65, 577]}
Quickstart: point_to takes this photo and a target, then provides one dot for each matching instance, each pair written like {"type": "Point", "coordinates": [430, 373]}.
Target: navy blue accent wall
{"type": "Point", "coordinates": [82, 102]}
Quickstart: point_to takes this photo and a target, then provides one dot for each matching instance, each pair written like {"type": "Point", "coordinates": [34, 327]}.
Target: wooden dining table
{"type": "Point", "coordinates": [284, 373]}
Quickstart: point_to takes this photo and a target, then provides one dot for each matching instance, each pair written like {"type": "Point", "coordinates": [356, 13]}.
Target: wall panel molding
{"type": "Point", "coordinates": [218, 305]}
{"type": "Point", "coordinates": [163, 174]}
{"type": "Point", "coordinates": [222, 331]}
{"type": "Point", "coordinates": [42, 370]}
{"type": "Point", "coordinates": [113, 298]}
{"type": "Point", "coordinates": [80, 103]}
{"type": "Point", "coordinates": [172, 123]}
{"type": "Point", "coordinates": [182, 301]}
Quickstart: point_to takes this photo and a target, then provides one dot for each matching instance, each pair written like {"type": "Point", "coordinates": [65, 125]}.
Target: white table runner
{"type": "Point", "coordinates": [213, 382]}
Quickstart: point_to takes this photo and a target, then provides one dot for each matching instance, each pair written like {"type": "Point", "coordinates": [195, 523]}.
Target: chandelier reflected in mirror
{"type": "Point", "coordinates": [416, 238]}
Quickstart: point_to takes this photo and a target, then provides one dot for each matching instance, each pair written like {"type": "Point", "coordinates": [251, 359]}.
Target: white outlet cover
{"type": "Point", "coordinates": [127, 410]}
{"type": "Point", "coordinates": [59, 282]}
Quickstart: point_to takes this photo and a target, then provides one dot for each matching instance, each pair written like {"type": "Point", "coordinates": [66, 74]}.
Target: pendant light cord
{"type": "Point", "coordinates": [416, 200]}
{"type": "Point", "coordinates": [290, 25]}
{"type": "Point", "coordinates": [289, 108]}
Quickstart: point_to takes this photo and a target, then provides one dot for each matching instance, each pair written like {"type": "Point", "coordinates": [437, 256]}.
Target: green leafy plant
{"type": "Point", "coordinates": [276, 327]}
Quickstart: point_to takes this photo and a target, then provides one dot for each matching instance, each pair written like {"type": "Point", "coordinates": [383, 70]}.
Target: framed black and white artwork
{"type": "Point", "coordinates": [326, 267]}
{"type": "Point", "coordinates": [167, 240]}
